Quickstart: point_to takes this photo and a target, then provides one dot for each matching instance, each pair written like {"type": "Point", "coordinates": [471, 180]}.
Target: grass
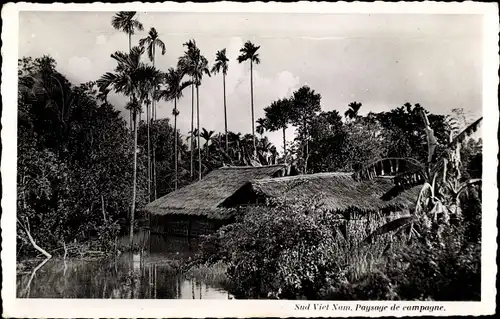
{"type": "Point", "coordinates": [140, 241]}
{"type": "Point", "coordinates": [214, 275]}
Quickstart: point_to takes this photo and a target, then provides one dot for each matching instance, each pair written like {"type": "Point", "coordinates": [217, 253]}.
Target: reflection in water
{"type": "Point", "coordinates": [153, 276]}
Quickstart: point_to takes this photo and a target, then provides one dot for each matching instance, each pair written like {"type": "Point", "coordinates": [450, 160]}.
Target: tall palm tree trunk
{"type": "Point", "coordinates": [134, 182]}
{"type": "Point", "coordinates": [133, 118]}
{"type": "Point", "coordinates": [192, 128]}
{"type": "Point", "coordinates": [251, 100]}
{"type": "Point", "coordinates": [284, 144]}
{"type": "Point", "coordinates": [130, 119]}
{"type": "Point", "coordinates": [153, 109]}
{"type": "Point", "coordinates": [151, 157]}
{"type": "Point", "coordinates": [153, 166]}
{"type": "Point", "coordinates": [198, 128]}
{"type": "Point", "coordinates": [149, 152]}
{"type": "Point", "coordinates": [129, 50]}
{"type": "Point", "coordinates": [176, 156]}
{"type": "Point", "coordinates": [306, 153]}
{"type": "Point", "coordinates": [225, 110]}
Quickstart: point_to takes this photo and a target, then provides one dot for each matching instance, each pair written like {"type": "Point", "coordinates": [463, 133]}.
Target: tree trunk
{"type": "Point", "coordinates": [284, 144]}
{"type": "Point", "coordinates": [176, 155]}
{"type": "Point", "coordinates": [198, 128]}
{"type": "Point", "coordinates": [154, 170]}
{"type": "Point", "coordinates": [134, 183]}
{"type": "Point", "coordinates": [153, 107]}
{"type": "Point", "coordinates": [33, 243]}
{"type": "Point", "coordinates": [103, 209]}
{"type": "Point", "coordinates": [306, 147]}
{"type": "Point", "coordinates": [154, 176]}
{"type": "Point", "coordinates": [192, 128]}
{"type": "Point", "coordinates": [130, 119]}
{"type": "Point", "coordinates": [225, 109]}
{"type": "Point", "coordinates": [251, 100]}
{"type": "Point", "coordinates": [149, 152]}
{"type": "Point", "coordinates": [151, 157]}
{"type": "Point", "coordinates": [129, 42]}
{"type": "Point", "coordinates": [130, 50]}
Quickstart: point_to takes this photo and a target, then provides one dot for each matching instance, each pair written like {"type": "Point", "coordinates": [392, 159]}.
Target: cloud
{"type": "Point", "coordinates": [100, 39]}
{"type": "Point", "coordinates": [78, 67]}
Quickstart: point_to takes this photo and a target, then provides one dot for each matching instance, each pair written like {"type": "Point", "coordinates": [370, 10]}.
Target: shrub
{"type": "Point", "coordinates": [286, 251]}
{"type": "Point", "coordinates": [448, 271]}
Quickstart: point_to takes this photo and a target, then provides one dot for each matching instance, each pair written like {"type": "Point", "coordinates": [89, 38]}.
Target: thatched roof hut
{"type": "Point", "coordinates": [203, 206]}
{"type": "Point", "coordinates": [339, 192]}
{"type": "Point", "coordinates": [209, 197]}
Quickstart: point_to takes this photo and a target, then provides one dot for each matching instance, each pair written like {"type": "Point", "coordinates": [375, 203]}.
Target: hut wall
{"type": "Point", "coordinates": [185, 226]}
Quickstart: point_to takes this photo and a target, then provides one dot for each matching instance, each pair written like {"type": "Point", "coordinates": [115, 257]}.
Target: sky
{"type": "Point", "coordinates": [380, 60]}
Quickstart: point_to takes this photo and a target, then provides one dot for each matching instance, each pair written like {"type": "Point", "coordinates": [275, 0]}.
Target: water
{"type": "Point", "coordinates": [151, 276]}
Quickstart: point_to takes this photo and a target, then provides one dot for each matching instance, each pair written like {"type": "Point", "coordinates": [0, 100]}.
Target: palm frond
{"type": "Point", "coordinates": [256, 59]}
{"type": "Point", "coordinates": [242, 58]}
{"type": "Point", "coordinates": [150, 53]}
{"type": "Point", "coordinates": [106, 81]}
{"type": "Point", "coordinates": [184, 85]}
{"type": "Point", "coordinates": [125, 22]}
{"type": "Point", "coordinates": [120, 57]}
{"type": "Point", "coordinates": [137, 25]}
{"type": "Point", "coordinates": [162, 46]}
{"type": "Point", "coordinates": [144, 42]}
{"type": "Point", "coordinates": [468, 131]}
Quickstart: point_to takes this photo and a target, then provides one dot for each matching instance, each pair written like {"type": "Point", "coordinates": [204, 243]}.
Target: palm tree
{"type": "Point", "coordinates": [261, 127]}
{"type": "Point", "coordinates": [222, 66]}
{"type": "Point", "coordinates": [124, 21]}
{"type": "Point", "coordinates": [150, 43]}
{"type": "Point", "coordinates": [249, 52]}
{"type": "Point", "coordinates": [207, 136]}
{"type": "Point", "coordinates": [175, 86]}
{"type": "Point", "coordinates": [185, 66]}
{"type": "Point", "coordinates": [353, 110]}
{"type": "Point", "coordinates": [134, 79]}
{"type": "Point", "coordinates": [196, 65]}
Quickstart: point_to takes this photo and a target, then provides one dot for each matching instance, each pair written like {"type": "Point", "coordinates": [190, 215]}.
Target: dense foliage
{"type": "Point", "coordinates": [431, 254]}
{"type": "Point", "coordinates": [75, 161]}
{"type": "Point", "coordinates": [316, 262]}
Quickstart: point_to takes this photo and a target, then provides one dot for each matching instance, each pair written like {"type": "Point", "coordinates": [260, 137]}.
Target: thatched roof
{"type": "Point", "coordinates": [206, 197]}
{"type": "Point", "coordinates": [337, 191]}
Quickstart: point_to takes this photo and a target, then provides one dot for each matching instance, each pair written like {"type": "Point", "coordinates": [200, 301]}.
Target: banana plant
{"type": "Point", "coordinates": [440, 178]}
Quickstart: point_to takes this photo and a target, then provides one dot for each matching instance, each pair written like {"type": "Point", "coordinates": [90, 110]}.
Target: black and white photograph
{"type": "Point", "coordinates": [335, 163]}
